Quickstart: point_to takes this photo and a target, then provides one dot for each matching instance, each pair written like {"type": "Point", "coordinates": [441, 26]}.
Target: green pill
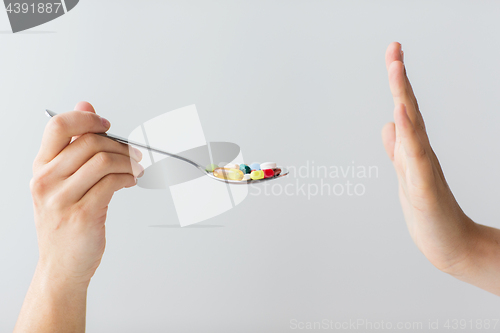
{"type": "Point", "coordinates": [245, 168]}
{"type": "Point", "coordinates": [211, 167]}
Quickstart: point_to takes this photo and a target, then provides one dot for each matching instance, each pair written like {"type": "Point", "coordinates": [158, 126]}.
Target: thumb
{"type": "Point", "coordinates": [389, 139]}
{"type": "Point", "coordinates": [83, 106]}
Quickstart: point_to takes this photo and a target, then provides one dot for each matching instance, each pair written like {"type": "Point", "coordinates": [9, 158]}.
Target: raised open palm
{"type": "Point", "coordinates": [436, 223]}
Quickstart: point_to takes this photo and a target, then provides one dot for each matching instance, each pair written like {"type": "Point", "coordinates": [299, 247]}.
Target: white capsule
{"type": "Point", "coordinates": [246, 176]}
{"type": "Point", "coordinates": [232, 166]}
{"type": "Point", "coordinates": [268, 165]}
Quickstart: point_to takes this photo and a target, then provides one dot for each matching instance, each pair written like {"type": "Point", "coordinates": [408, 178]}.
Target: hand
{"type": "Point", "coordinates": [72, 185]}
{"type": "Point", "coordinates": [438, 226]}
{"type": "Point", "coordinates": [75, 175]}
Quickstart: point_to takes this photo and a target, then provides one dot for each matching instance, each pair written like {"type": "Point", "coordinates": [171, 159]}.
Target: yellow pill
{"type": "Point", "coordinates": [228, 174]}
{"type": "Point", "coordinates": [257, 174]}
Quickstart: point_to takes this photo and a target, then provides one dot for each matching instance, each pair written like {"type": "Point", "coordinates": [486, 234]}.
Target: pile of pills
{"type": "Point", "coordinates": [243, 172]}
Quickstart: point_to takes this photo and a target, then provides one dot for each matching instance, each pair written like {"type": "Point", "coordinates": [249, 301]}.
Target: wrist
{"type": "Point", "coordinates": [53, 278]}
{"type": "Point", "coordinates": [466, 254]}
{"type": "Point", "coordinates": [54, 303]}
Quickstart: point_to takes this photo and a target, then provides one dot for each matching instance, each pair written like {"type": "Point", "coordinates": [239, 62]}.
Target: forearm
{"type": "Point", "coordinates": [53, 304]}
{"type": "Point", "coordinates": [482, 266]}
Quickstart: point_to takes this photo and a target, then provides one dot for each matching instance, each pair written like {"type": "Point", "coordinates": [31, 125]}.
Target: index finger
{"type": "Point", "coordinates": [401, 89]}
{"type": "Point", "coordinates": [393, 53]}
{"type": "Point", "coordinates": [63, 127]}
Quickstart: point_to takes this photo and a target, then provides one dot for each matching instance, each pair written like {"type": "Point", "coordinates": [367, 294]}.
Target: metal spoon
{"type": "Point", "coordinates": [117, 138]}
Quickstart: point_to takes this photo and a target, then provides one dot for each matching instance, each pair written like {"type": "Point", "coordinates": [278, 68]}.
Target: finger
{"type": "Point", "coordinates": [389, 139]}
{"type": "Point", "coordinates": [83, 106]}
{"type": "Point", "coordinates": [63, 127]}
{"type": "Point", "coordinates": [401, 88]}
{"type": "Point", "coordinates": [84, 148]}
{"type": "Point", "coordinates": [412, 94]}
{"type": "Point", "coordinates": [397, 83]}
{"type": "Point", "coordinates": [99, 166]}
{"type": "Point", "coordinates": [402, 93]}
{"type": "Point", "coordinates": [417, 159]}
{"type": "Point", "coordinates": [100, 194]}
{"type": "Point", "coordinates": [393, 53]}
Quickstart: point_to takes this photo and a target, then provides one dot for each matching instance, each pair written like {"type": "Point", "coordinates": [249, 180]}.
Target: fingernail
{"type": "Point", "coordinates": [142, 172]}
{"type": "Point", "coordinates": [402, 53]}
{"type": "Point", "coordinates": [138, 154]}
{"type": "Point", "coordinates": [105, 122]}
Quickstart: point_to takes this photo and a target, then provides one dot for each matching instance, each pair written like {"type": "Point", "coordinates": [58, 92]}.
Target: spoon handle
{"type": "Point", "coordinates": [137, 144]}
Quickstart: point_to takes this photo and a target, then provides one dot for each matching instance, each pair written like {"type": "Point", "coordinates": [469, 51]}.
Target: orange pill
{"type": "Point", "coordinates": [228, 174]}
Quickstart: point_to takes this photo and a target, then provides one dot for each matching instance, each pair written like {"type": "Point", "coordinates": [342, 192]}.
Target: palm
{"type": "Point", "coordinates": [434, 219]}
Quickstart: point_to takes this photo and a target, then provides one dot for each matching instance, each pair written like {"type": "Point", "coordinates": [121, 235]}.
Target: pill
{"type": "Point", "coordinates": [257, 174]}
{"type": "Point", "coordinates": [246, 176]}
{"type": "Point", "coordinates": [211, 167]}
{"type": "Point", "coordinates": [228, 174]}
{"type": "Point", "coordinates": [232, 166]}
{"type": "Point", "coordinates": [268, 165]}
{"type": "Point", "coordinates": [245, 168]}
{"type": "Point", "coordinates": [277, 172]}
{"type": "Point", "coordinates": [268, 173]}
{"type": "Point", "coordinates": [255, 166]}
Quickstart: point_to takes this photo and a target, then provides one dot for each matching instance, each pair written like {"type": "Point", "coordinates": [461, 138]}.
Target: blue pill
{"type": "Point", "coordinates": [255, 166]}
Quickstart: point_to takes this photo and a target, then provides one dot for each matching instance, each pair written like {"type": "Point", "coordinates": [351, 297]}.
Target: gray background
{"type": "Point", "coordinates": [291, 81]}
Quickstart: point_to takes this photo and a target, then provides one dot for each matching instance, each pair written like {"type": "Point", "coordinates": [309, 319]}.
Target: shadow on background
{"type": "Point", "coordinates": [188, 227]}
{"type": "Point", "coordinates": [7, 32]}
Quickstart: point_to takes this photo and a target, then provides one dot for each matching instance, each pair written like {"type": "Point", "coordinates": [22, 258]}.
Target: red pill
{"type": "Point", "coordinates": [268, 173]}
{"type": "Point", "coordinates": [277, 172]}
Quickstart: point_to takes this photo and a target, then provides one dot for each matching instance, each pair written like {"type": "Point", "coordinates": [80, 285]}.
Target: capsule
{"type": "Point", "coordinates": [231, 166]}
{"type": "Point", "coordinates": [268, 165]}
{"type": "Point", "coordinates": [228, 174]}
{"type": "Point", "coordinates": [211, 167]}
{"type": "Point", "coordinates": [277, 172]}
{"type": "Point", "coordinates": [255, 166]}
{"type": "Point", "coordinates": [257, 174]}
{"type": "Point", "coordinates": [268, 173]}
{"type": "Point", "coordinates": [245, 168]}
